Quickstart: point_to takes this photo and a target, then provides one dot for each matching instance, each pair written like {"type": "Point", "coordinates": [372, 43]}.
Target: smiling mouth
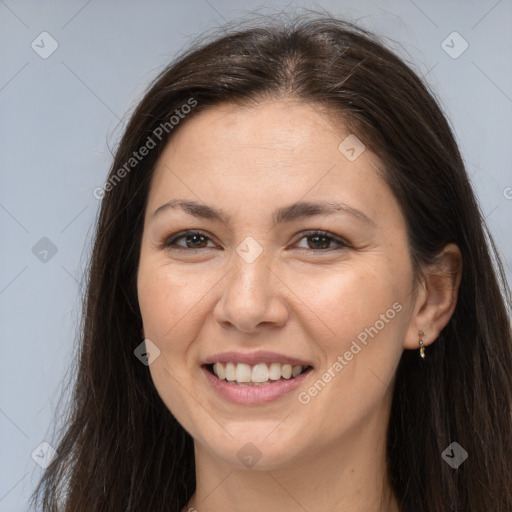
{"type": "Point", "coordinates": [260, 374]}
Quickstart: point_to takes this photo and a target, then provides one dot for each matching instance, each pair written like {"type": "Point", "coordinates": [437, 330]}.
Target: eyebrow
{"type": "Point", "coordinates": [290, 213]}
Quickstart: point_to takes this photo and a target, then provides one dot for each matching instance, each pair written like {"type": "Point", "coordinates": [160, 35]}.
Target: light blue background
{"type": "Point", "coordinates": [60, 115]}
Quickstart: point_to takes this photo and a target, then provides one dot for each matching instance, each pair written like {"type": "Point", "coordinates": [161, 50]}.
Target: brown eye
{"type": "Point", "coordinates": [319, 241]}
{"type": "Point", "coordinates": [193, 240]}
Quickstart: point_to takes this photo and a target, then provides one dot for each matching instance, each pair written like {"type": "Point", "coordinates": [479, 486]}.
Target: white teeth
{"type": "Point", "coordinates": [243, 372]}
{"type": "Point", "coordinates": [230, 371]}
{"type": "Point", "coordinates": [218, 369]}
{"type": "Point", "coordinates": [296, 371]}
{"type": "Point", "coordinates": [286, 371]}
{"type": "Point", "coordinates": [260, 373]}
{"type": "Point", "coordinates": [257, 374]}
{"type": "Point", "coordinates": [275, 371]}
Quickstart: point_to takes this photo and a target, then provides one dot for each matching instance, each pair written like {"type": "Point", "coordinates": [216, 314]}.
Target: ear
{"type": "Point", "coordinates": [436, 297]}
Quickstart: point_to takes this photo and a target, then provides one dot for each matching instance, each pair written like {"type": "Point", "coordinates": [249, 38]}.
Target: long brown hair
{"type": "Point", "coordinates": [121, 449]}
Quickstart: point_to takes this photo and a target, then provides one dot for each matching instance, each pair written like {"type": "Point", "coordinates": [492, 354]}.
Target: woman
{"type": "Point", "coordinates": [289, 226]}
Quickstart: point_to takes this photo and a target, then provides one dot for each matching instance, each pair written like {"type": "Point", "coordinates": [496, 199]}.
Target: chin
{"type": "Point", "coordinates": [256, 447]}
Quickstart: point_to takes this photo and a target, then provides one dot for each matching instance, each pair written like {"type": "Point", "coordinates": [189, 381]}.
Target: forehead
{"type": "Point", "coordinates": [252, 157]}
{"type": "Point", "coordinates": [289, 127]}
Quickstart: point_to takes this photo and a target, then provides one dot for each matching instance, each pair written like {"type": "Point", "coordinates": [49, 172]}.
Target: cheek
{"type": "Point", "coordinates": [170, 303]}
{"type": "Point", "coordinates": [349, 302]}
{"type": "Point", "coordinates": [364, 308]}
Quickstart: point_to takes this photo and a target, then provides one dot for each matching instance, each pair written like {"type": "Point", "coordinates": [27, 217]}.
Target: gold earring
{"type": "Point", "coordinates": [422, 348]}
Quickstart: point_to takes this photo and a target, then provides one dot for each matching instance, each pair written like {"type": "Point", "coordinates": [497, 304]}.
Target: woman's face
{"type": "Point", "coordinates": [258, 289]}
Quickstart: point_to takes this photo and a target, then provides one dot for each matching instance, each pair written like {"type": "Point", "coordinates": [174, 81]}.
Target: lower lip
{"type": "Point", "coordinates": [254, 395]}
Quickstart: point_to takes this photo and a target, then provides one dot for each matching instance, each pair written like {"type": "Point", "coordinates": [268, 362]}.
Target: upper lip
{"type": "Point", "coordinates": [255, 358]}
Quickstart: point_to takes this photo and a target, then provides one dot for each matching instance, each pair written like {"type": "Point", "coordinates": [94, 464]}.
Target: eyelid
{"type": "Point", "coordinates": [168, 242]}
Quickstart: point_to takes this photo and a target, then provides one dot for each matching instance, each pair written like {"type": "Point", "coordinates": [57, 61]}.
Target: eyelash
{"type": "Point", "coordinates": [168, 244]}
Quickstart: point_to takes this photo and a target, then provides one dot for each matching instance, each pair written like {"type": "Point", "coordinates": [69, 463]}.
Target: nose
{"type": "Point", "coordinates": [253, 297]}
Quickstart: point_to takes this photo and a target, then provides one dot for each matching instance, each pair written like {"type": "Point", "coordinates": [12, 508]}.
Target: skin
{"type": "Point", "coordinates": [296, 298]}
